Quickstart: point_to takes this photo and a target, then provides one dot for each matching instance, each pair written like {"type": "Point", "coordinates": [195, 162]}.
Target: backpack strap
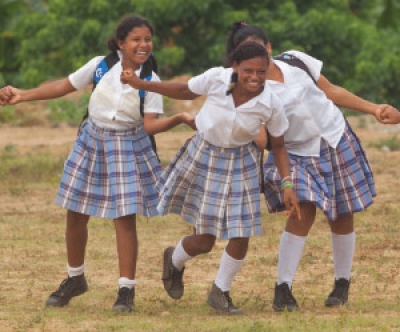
{"type": "Point", "coordinates": [294, 61]}
{"type": "Point", "coordinates": [146, 74]}
{"type": "Point", "coordinates": [102, 68]}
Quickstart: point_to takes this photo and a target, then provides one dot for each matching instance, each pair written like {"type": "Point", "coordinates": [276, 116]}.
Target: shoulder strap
{"type": "Point", "coordinates": [294, 61]}
{"type": "Point", "coordinates": [146, 74]}
{"type": "Point", "coordinates": [104, 66]}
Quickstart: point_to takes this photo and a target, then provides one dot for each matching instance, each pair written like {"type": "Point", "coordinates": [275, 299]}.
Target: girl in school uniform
{"type": "Point", "coordinates": [329, 168]}
{"type": "Point", "coordinates": [213, 181]}
{"type": "Point", "coordinates": [112, 169]}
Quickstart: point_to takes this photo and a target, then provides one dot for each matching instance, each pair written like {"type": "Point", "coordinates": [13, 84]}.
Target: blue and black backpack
{"type": "Point", "coordinates": [145, 74]}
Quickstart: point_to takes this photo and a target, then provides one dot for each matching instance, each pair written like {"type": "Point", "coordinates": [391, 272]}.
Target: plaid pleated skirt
{"type": "Point", "coordinates": [214, 189]}
{"type": "Point", "coordinates": [110, 173]}
{"type": "Point", "coordinates": [339, 182]}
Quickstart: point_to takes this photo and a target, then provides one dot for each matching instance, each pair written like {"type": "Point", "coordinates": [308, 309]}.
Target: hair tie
{"type": "Point", "coordinates": [243, 24]}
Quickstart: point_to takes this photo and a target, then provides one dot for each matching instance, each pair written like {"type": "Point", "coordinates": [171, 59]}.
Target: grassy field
{"type": "Point", "coordinates": [33, 259]}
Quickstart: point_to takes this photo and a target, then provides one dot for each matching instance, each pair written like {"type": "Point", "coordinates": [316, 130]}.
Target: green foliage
{"type": "Point", "coordinates": [357, 40]}
{"type": "Point", "coordinates": [67, 111]}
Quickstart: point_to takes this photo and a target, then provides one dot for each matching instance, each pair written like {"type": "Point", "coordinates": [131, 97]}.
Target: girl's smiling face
{"type": "Point", "coordinates": [252, 74]}
{"type": "Point", "coordinates": [137, 46]}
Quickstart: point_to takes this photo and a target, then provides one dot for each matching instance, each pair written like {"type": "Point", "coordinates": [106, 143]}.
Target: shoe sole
{"type": "Point", "coordinates": [55, 305]}
{"type": "Point", "coordinates": [288, 309]}
{"type": "Point", "coordinates": [336, 304]}
{"type": "Point", "coordinates": [237, 312]}
{"type": "Point", "coordinates": [122, 309]}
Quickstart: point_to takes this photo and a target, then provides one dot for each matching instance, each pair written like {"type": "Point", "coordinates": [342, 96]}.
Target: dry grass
{"type": "Point", "coordinates": [33, 261]}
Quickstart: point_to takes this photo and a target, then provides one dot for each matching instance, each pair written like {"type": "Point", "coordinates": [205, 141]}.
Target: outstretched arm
{"type": "Point", "coordinates": [175, 90]}
{"type": "Point", "coordinates": [50, 90]}
{"type": "Point", "coordinates": [282, 164]}
{"type": "Point", "coordinates": [153, 124]}
{"type": "Point", "coordinates": [342, 97]}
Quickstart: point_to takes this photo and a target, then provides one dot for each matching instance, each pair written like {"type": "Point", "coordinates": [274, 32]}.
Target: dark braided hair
{"type": "Point", "coordinates": [240, 31]}
{"type": "Point", "coordinates": [126, 25]}
{"type": "Point", "coordinates": [245, 51]}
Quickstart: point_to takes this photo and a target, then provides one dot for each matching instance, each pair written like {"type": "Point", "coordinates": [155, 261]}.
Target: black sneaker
{"type": "Point", "coordinates": [284, 299]}
{"type": "Point", "coordinates": [69, 288]}
{"type": "Point", "coordinates": [340, 293]}
{"type": "Point", "coordinates": [222, 302]}
{"type": "Point", "coordinates": [172, 277]}
{"type": "Point", "coordinates": [124, 302]}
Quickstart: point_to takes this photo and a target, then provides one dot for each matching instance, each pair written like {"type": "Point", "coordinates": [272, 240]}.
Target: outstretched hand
{"type": "Point", "coordinates": [291, 203]}
{"type": "Point", "coordinates": [387, 114]}
{"type": "Point", "coordinates": [189, 120]}
{"type": "Point", "coordinates": [9, 96]}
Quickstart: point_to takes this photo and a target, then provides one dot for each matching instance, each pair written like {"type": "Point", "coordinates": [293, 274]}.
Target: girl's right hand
{"type": "Point", "coordinates": [9, 96]}
{"type": "Point", "coordinates": [291, 203]}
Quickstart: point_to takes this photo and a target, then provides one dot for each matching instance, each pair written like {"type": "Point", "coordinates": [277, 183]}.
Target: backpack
{"type": "Point", "coordinates": [145, 74]}
{"type": "Point", "coordinates": [294, 61]}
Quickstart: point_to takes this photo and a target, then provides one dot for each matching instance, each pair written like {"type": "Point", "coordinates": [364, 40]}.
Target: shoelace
{"type": "Point", "coordinates": [124, 296]}
{"type": "Point", "coordinates": [228, 300]}
{"type": "Point", "coordinates": [65, 286]}
{"type": "Point", "coordinates": [287, 295]}
{"type": "Point", "coordinates": [339, 290]}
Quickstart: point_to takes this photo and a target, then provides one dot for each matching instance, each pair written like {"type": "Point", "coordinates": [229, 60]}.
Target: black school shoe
{"type": "Point", "coordinates": [340, 293]}
{"type": "Point", "coordinates": [221, 302]}
{"type": "Point", "coordinates": [69, 288]}
{"type": "Point", "coordinates": [124, 302]}
{"type": "Point", "coordinates": [284, 299]}
{"type": "Point", "coordinates": [172, 278]}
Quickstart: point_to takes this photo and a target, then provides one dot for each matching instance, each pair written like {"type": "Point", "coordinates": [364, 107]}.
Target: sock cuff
{"type": "Point", "coordinates": [75, 271]}
{"type": "Point", "coordinates": [231, 259]}
{"type": "Point", "coordinates": [125, 282]}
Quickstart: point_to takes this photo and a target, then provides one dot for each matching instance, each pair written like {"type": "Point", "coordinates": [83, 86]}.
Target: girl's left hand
{"type": "Point", "coordinates": [387, 114]}
{"type": "Point", "coordinates": [291, 203]}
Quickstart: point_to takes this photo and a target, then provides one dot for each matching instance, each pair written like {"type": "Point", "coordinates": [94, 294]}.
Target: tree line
{"type": "Point", "coordinates": [358, 40]}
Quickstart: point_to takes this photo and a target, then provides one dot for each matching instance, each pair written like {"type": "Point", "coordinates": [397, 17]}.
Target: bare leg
{"type": "Point", "coordinates": [127, 245]}
{"type": "Point", "coordinates": [237, 248]}
{"type": "Point", "coordinates": [76, 236]}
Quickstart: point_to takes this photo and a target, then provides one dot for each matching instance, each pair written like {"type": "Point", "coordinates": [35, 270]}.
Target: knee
{"type": "Point", "coordinates": [206, 243]}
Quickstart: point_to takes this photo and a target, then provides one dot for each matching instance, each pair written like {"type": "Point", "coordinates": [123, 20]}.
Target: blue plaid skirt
{"type": "Point", "coordinates": [339, 182]}
{"type": "Point", "coordinates": [214, 189]}
{"type": "Point", "coordinates": [110, 174]}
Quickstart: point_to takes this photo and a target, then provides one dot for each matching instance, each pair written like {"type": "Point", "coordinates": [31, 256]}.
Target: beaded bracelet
{"type": "Point", "coordinates": [287, 185]}
{"type": "Point", "coordinates": [286, 178]}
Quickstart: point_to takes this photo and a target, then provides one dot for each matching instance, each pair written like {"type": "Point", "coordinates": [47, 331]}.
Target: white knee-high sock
{"type": "Point", "coordinates": [228, 268]}
{"type": "Point", "coordinates": [75, 271]}
{"type": "Point", "coordinates": [180, 256]}
{"type": "Point", "coordinates": [343, 247]}
{"type": "Point", "coordinates": [290, 250]}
